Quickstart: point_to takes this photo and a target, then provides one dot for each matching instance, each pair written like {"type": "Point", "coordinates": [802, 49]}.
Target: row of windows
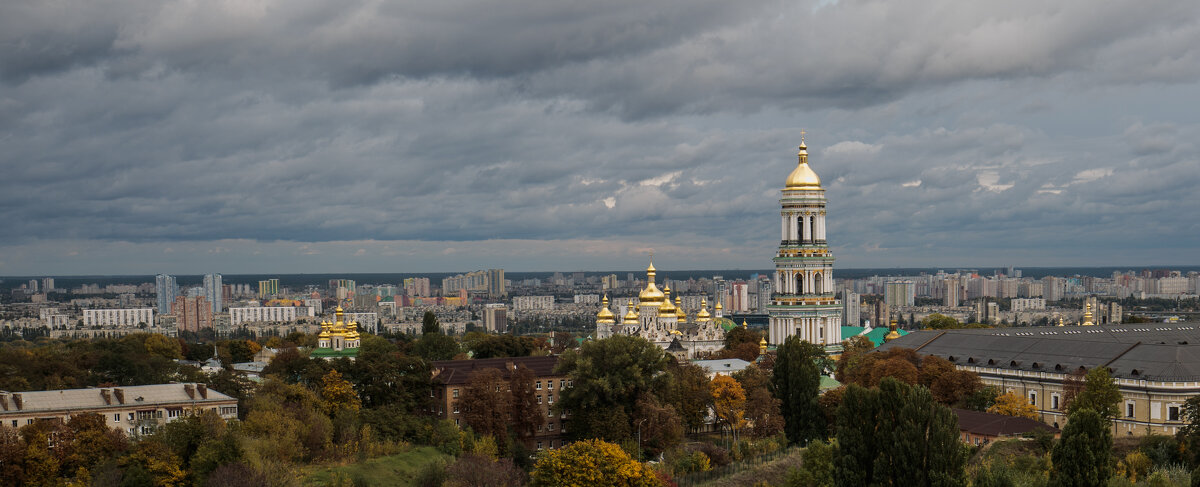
{"type": "Point", "coordinates": [1172, 411]}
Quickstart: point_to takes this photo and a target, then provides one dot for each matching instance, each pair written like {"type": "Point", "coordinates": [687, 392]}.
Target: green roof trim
{"type": "Point", "coordinates": [331, 353]}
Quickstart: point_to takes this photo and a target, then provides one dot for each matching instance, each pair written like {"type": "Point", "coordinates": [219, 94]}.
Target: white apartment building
{"type": "Point", "coordinates": [1025, 304]}
{"type": "Point", "coordinates": [587, 299]}
{"type": "Point", "coordinates": [131, 409]}
{"type": "Point", "coordinates": [263, 314]}
{"type": "Point", "coordinates": [533, 302]}
{"type": "Point", "coordinates": [125, 317]}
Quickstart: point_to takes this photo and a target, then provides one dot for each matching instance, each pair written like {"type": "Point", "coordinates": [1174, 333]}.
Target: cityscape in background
{"type": "Point", "coordinates": [258, 305]}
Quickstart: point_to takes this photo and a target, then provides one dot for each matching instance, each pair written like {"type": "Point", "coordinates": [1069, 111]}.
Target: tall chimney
{"type": "Point", "coordinates": [17, 401]}
{"type": "Point", "coordinates": [107, 395]}
{"type": "Point", "coordinates": [203, 389]}
{"type": "Point", "coordinates": [120, 393]}
{"type": "Point", "coordinates": [4, 400]}
{"type": "Point", "coordinates": [190, 390]}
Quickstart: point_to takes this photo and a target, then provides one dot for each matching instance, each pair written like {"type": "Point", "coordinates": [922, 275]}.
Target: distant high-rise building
{"type": "Point", "coordinates": [268, 288]}
{"type": "Point", "coordinates": [495, 318]}
{"type": "Point", "coordinates": [852, 312]}
{"type": "Point", "coordinates": [33, 286]}
{"type": "Point", "coordinates": [899, 293]}
{"type": "Point", "coordinates": [47, 284]}
{"type": "Point", "coordinates": [739, 296]}
{"type": "Point", "coordinates": [165, 290]}
{"type": "Point", "coordinates": [213, 291]}
{"type": "Point", "coordinates": [764, 294]}
{"type": "Point", "coordinates": [192, 313]}
{"type": "Point", "coordinates": [417, 286]}
{"type": "Point", "coordinates": [952, 292]}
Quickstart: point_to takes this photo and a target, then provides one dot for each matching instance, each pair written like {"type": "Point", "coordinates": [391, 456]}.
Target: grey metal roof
{"type": "Point", "coordinates": [92, 398]}
{"type": "Point", "coordinates": [1153, 351]}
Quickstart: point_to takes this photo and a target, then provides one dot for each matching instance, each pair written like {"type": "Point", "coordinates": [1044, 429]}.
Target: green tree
{"type": "Point", "coordinates": [940, 322]}
{"type": "Point", "coordinates": [853, 350]}
{"type": "Point", "coordinates": [858, 436]}
{"type": "Point", "coordinates": [1188, 437]}
{"type": "Point", "coordinates": [436, 346]}
{"type": "Point", "coordinates": [429, 324]}
{"type": "Point", "coordinates": [817, 469]}
{"type": "Point", "coordinates": [797, 380]}
{"type": "Point", "coordinates": [688, 392]}
{"type": "Point", "coordinates": [1082, 456]}
{"type": "Point", "coordinates": [1100, 394]}
{"type": "Point", "coordinates": [608, 377]}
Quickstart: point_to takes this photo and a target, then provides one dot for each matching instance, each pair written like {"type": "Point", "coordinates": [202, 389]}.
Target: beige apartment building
{"type": "Point", "coordinates": [134, 410]}
{"type": "Point", "coordinates": [1155, 365]}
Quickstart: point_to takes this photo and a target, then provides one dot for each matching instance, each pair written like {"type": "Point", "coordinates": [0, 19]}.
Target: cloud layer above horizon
{"type": "Point", "coordinates": [313, 136]}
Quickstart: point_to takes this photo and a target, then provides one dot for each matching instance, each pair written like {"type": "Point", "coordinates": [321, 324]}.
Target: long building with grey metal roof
{"type": "Point", "coordinates": [1156, 365]}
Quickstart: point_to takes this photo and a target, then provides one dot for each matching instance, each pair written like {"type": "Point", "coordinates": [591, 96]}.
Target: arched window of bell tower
{"type": "Point", "coordinates": [799, 277]}
{"type": "Point", "coordinates": [818, 284]}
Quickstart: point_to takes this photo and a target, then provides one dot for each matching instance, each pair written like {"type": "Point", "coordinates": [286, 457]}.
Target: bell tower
{"type": "Point", "coordinates": [804, 302]}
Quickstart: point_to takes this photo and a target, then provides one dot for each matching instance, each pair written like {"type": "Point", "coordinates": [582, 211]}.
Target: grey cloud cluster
{"type": "Point", "coordinates": [941, 128]}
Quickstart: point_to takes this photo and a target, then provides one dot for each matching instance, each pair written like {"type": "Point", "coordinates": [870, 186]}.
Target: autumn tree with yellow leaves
{"type": "Point", "coordinates": [1012, 404]}
{"type": "Point", "coordinates": [729, 403]}
{"type": "Point", "coordinates": [591, 462]}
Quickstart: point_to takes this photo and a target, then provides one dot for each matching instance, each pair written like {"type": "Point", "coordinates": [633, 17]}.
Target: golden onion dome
{"type": "Point", "coordinates": [631, 318]}
{"type": "Point", "coordinates": [605, 315]}
{"type": "Point", "coordinates": [719, 307]}
{"type": "Point", "coordinates": [667, 307]}
{"type": "Point", "coordinates": [803, 177]}
{"type": "Point", "coordinates": [679, 312]}
{"type": "Point", "coordinates": [650, 296]}
{"type": "Point", "coordinates": [893, 334]}
{"type": "Point", "coordinates": [762, 344]}
{"type": "Point", "coordinates": [324, 330]}
{"type": "Point", "coordinates": [703, 314]}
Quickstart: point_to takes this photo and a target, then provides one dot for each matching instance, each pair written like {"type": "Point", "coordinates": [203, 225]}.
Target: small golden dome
{"type": "Point", "coordinates": [631, 318]}
{"type": "Point", "coordinates": [703, 314]}
{"type": "Point", "coordinates": [719, 305]}
{"type": "Point", "coordinates": [679, 312]}
{"type": "Point", "coordinates": [803, 177]}
{"type": "Point", "coordinates": [667, 307]}
{"type": "Point", "coordinates": [762, 344]}
{"type": "Point", "coordinates": [893, 334]}
{"type": "Point", "coordinates": [605, 315]}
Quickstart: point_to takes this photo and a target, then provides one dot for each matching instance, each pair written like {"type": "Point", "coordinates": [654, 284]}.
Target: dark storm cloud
{"type": "Point", "coordinates": [936, 126]}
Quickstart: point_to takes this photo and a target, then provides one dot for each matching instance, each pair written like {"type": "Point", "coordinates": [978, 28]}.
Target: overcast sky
{"type": "Point", "coordinates": [240, 136]}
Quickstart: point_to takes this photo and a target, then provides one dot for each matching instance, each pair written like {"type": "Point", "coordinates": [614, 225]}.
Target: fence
{"type": "Point", "coordinates": [697, 478]}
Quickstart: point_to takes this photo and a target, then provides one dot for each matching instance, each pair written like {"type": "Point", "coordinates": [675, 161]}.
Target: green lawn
{"type": "Point", "coordinates": [396, 469]}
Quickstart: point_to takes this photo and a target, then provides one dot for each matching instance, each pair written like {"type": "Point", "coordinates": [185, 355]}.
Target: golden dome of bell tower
{"type": "Point", "coordinates": [803, 177]}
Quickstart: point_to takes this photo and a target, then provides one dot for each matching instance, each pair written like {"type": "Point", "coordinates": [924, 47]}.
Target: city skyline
{"type": "Point", "coordinates": [149, 138]}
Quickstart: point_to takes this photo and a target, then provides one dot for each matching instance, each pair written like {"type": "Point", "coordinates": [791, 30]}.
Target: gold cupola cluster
{"type": "Point", "coordinates": [340, 334]}
{"type": "Point", "coordinates": [803, 177]}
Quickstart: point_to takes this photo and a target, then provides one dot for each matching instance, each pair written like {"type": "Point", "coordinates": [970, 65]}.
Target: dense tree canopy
{"type": "Point", "coordinates": [797, 381]}
{"type": "Point", "coordinates": [609, 376]}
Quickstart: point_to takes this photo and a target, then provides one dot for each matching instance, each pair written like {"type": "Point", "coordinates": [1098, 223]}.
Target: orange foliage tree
{"type": "Point", "coordinates": [591, 462]}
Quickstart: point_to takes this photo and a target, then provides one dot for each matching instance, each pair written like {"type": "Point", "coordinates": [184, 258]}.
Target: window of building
{"type": "Point", "coordinates": [539, 445]}
{"type": "Point", "coordinates": [1054, 401]}
{"type": "Point", "coordinates": [539, 385]}
{"type": "Point", "coordinates": [455, 409]}
{"type": "Point", "coordinates": [131, 416]}
{"type": "Point", "coordinates": [1033, 398]}
{"type": "Point", "coordinates": [562, 383]}
{"type": "Point", "coordinates": [456, 422]}
{"type": "Point", "coordinates": [550, 398]}
{"type": "Point", "coordinates": [117, 418]}
{"type": "Point", "coordinates": [539, 398]}
{"type": "Point", "coordinates": [1129, 410]}
{"type": "Point", "coordinates": [455, 393]}
{"type": "Point", "coordinates": [550, 385]}
{"type": "Point", "coordinates": [14, 423]}
{"type": "Point", "coordinates": [550, 426]}
{"type": "Point", "coordinates": [1173, 413]}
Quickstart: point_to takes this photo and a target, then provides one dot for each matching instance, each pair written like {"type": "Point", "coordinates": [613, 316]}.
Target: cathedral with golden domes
{"type": "Point", "coordinates": [662, 321]}
{"type": "Point", "coordinates": [338, 339]}
{"type": "Point", "coordinates": [804, 303]}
